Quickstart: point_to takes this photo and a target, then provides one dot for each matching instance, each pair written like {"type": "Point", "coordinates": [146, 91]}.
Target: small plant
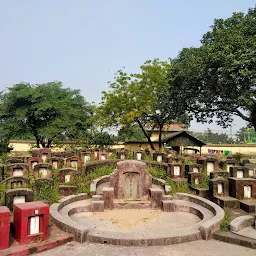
{"type": "Point", "coordinates": [84, 182]}
{"type": "Point", "coordinates": [130, 155]}
{"type": "Point", "coordinates": [2, 192]}
{"type": "Point", "coordinates": [238, 156]}
{"type": "Point", "coordinates": [176, 187]}
{"type": "Point", "coordinates": [148, 158]}
{"type": "Point", "coordinates": [157, 172]}
{"type": "Point", "coordinates": [224, 225]}
{"type": "Point", "coordinates": [204, 183]}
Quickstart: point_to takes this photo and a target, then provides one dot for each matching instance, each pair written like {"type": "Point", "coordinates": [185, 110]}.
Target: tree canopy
{"type": "Point", "coordinates": [45, 111]}
{"type": "Point", "coordinates": [218, 78]}
{"type": "Point", "coordinates": [141, 99]}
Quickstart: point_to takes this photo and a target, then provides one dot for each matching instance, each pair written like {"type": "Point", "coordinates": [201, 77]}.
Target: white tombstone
{"type": "Point", "coordinates": [240, 174]}
{"type": "Point", "coordinates": [210, 167]}
{"type": "Point", "coordinates": [176, 170]}
{"type": "Point", "coordinates": [86, 159]}
{"type": "Point", "coordinates": [122, 156]}
{"type": "Point", "coordinates": [251, 173]}
{"type": "Point", "coordinates": [228, 167]}
{"type": "Point", "coordinates": [247, 191]}
{"type": "Point", "coordinates": [44, 157]}
{"type": "Point", "coordinates": [17, 172]}
{"type": "Point", "coordinates": [195, 169]}
{"type": "Point", "coordinates": [19, 199]}
{"type": "Point", "coordinates": [159, 158]}
{"type": "Point", "coordinates": [196, 181]}
{"type": "Point", "coordinates": [42, 172]}
{"type": "Point", "coordinates": [67, 178]}
{"type": "Point", "coordinates": [103, 157]}
{"type": "Point", "coordinates": [34, 225]}
{"type": "Point", "coordinates": [55, 164]}
{"type": "Point", "coordinates": [73, 164]}
{"type": "Point", "coordinates": [139, 156]}
{"type": "Point", "coordinates": [220, 188]}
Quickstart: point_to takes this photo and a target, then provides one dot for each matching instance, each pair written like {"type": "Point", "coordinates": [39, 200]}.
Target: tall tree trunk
{"type": "Point", "coordinates": [49, 143]}
{"type": "Point", "coordinates": [160, 136]}
{"type": "Point", "coordinates": [147, 136]}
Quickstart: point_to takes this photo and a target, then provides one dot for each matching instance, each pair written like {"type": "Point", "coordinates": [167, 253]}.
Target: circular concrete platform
{"type": "Point", "coordinates": [191, 218]}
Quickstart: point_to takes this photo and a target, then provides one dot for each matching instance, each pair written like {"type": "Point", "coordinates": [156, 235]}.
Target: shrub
{"type": "Point", "coordinates": [157, 172]}
{"type": "Point", "coordinates": [177, 186]}
{"type": "Point", "coordinates": [224, 225]}
{"type": "Point", "coordinates": [238, 156]}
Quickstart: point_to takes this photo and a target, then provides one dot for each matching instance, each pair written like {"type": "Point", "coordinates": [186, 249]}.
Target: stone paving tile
{"type": "Point", "coordinates": [196, 248]}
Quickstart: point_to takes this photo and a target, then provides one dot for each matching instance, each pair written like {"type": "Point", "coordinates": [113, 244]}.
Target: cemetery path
{"type": "Point", "coordinates": [195, 248]}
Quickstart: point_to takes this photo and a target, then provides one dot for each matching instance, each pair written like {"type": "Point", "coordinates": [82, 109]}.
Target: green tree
{"type": "Point", "coordinates": [45, 111]}
{"type": "Point", "coordinates": [101, 139]}
{"type": "Point", "coordinates": [218, 78]}
{"type": "Point", "coordinates": [130, 133]}
{"type": "Point", "coordinates": [244, 133]}
{"type": "Point", "coordinates": [212, 137]}
{"type": "Point", "coordinates": [141, 99]}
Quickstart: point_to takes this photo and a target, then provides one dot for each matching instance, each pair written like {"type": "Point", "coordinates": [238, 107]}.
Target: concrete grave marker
{"type": "Point", "coordinates": [220, 188]}
{"type": "Point", "coordinates": [240, 174]}
{"type": "Point", "coordinates": [34, 225]}
{"type": "Point", "coordinates": [210, 167]}
{"type": "Point", "coordinates": [67, 178]}
{"type": "Point", "coordinates": [195, 169]}
{"type": "Point", "coordinates": [17, 172]}
{"type": "Point", "coordinates": [247, 192]}
{"type": "Point", "coordinates": [159, 158]}
{"type": "Point", "coordinates": [176, 170]}
{"type": "Point", "coordinates": [19, 199]}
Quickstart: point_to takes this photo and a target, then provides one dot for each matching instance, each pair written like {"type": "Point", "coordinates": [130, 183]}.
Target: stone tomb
{"type": "Point", "coordinates": [5, 215]}
{"type": "Point", "coordinates": [175, 171]}
{"type": "Point", "coordinates": [43, 171]}
{"type": "Point", "coordinates": [159, 156]}
{"type": "Point", "coordinates": [252, 169]}
{"type": "Point", "coordinates": [44, 153]}
{"type": "Point", "coordinates": [31, 222]}
{"type": "Point", "coordinates": [73, 162]}
{"type": "Point", "coordinates": [42, 183]}
{"type": "Point", "coordinates": [56, 162]}
{"type": "Point", "coordinates": [131, 181]}
{"type": "Point", "coordinates": [17, 196]}
{"type": "Point", "coordinates": [67, 175]}
{"type": "Point", "coordinates": [102, 155]}
{"type": "Point", "coordinates": [209, 164]}
{"type": "Point", "coordinates": [219, 174]}
{"type": "Point", "coordinates": [226, 164]}
{"type": "Point", "coordinates": [218, 187]}
{"type": "Point", "coordinates": [17, 170]}
{"type": "Point", "coordinates": [87, 157]}
{"type": "Point", "coordinates": [239, 172]}
{"type": "Point", "coordinates": [16, 182]}
{"type": "Point", "coordinates": [195, 178]}
{"type": "Point", "coordinates": [138, 155]}
{"type": "Point", "coordinates": [122, 155]}
{"type": "Point", "coordinates": [32, 162]}
{"type": "Point", "coordinates": [15, 160]}
{"type": "Point", "coordinates": [242, 188]}
{"type": "Point", "coordinates": [193, 168]}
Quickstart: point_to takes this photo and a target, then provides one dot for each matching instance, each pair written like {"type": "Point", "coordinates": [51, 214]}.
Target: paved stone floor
{"type": "Point", "coordinates": [196, 248]}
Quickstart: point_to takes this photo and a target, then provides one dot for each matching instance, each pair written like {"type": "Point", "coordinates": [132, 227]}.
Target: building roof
{"type": "Point", "coordinates": [182, 138]}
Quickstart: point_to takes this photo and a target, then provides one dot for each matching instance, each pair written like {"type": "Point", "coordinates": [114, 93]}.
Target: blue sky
{"type": "Point", "coordinates": [83, 43]}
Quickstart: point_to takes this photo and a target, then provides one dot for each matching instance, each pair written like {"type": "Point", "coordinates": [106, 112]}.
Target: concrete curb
{"type": "Point", "coordinates": [241, 222]}
{"type": "Point", "coordinates": [210, 226]}
{"type": "Point", "coordinates": [231, 238]}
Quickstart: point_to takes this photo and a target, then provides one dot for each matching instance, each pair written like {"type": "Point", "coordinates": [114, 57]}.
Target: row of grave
{"type": "Point", "coordinates": [234, 186]}
{"type": "Point", "coordinates": [18, 173]}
